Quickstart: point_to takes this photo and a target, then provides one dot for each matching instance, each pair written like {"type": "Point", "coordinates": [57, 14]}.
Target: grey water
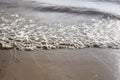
{"type": "Point", "coordinates": [60, 23]}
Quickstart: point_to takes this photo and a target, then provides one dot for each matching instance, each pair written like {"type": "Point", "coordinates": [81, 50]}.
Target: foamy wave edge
{"type": "Point", "coordinates": [20, 33]}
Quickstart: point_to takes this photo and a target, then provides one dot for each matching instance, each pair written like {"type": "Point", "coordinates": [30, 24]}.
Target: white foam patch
{"type": "Point", "coordinates": [22, 33]}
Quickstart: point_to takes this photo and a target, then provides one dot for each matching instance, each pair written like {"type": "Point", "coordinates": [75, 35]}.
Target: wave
{"type": "Point", "coordinates": [52, 6]}
{"type": "Point", "coordinates": [79, 8]}
{"type": "Point", "coordinates": [107, 7]}
{"type": "Point", "coordinates": [73, 10]}
{"type": "Point", "coordinates": [19, 32]}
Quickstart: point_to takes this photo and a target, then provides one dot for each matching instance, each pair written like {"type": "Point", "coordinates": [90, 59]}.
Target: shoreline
{"type": "Point", "coordinates": [60, 64]}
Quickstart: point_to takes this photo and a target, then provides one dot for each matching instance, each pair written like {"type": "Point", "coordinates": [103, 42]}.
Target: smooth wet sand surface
{"type": "Point", "coordinates": [63, 64]}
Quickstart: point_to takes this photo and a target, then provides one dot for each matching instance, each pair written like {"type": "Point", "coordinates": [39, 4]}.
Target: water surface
{"type": "Point", "coordinates": [47, 24]}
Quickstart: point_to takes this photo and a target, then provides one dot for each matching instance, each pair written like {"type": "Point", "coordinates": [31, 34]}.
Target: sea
{"type": "Point", "coordinates": [59, 24]}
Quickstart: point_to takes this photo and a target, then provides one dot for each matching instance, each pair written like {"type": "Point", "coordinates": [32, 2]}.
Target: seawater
{"type": "Point", "coordinates": [51, 24]}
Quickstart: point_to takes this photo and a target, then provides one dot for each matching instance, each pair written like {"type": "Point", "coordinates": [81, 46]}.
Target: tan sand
{"type": "Point", "coordinates": [83, 64]}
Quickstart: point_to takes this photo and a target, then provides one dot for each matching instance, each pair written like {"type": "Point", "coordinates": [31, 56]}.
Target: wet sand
{"type": "Point", "coordinates": [63, 64]}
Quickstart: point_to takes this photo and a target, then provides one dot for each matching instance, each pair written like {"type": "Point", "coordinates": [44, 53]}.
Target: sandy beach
{"type": "Point", "coordinates": [68, 39]}
{"type": "Point", "coordinates": [62, 64]}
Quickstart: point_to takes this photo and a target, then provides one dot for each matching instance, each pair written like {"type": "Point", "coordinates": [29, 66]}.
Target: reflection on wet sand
{"type": "Point", "coordinates": [84, 64]}
{"type": "Point", "coordinates": [5, 60]}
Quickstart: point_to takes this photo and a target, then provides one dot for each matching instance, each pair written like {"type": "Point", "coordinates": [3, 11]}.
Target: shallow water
{"type": "Point", "coordinates": [53, 24]}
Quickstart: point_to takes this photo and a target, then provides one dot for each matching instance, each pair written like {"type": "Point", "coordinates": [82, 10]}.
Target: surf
{"type": "Point", "coordinates": [98, 27]}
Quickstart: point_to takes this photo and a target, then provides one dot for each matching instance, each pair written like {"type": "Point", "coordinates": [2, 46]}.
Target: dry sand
{"type": "Point", "coordinates": [63, 64]}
